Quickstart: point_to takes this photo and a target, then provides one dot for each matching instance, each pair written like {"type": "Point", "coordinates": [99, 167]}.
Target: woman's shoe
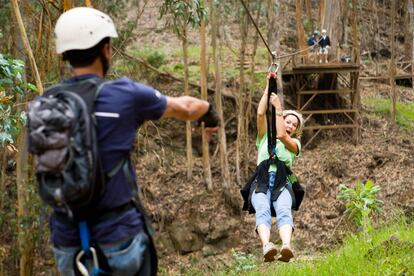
{"type": "Point", "coordinates": [269, 252]}
{"type": "Point", "coordinates": [286, 254]}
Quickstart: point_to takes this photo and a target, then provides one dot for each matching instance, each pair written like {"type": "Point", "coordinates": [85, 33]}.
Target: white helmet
{"type": "Point", "coordinates": [82, 28]}
{"type": "Point", "coordinates": [324, 31]}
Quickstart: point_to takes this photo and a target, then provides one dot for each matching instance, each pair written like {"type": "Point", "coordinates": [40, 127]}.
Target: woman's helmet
{"type": "Point", "coordinates": [301, 122]}
{"type": "Point", "coordinates": [82, 28]}
{"type": "Point", "coordinates": [323, 31]}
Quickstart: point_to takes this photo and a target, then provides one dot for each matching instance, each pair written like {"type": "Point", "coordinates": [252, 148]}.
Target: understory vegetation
{"type": "Point", "coordinates": [389, 250]}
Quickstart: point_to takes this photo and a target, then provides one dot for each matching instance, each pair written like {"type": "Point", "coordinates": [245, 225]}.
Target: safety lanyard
{"type": "Point", "coordinates": [88, 251]}
{"type": "Point", "coordinates": [271, 111]}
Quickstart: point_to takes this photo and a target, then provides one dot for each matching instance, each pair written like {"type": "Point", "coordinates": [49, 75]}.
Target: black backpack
{"type": "Point", "coordinates": [63, 138]}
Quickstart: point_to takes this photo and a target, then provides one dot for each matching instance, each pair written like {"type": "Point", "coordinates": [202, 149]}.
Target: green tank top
{"type": "Point", "coordinates": [281, 151]}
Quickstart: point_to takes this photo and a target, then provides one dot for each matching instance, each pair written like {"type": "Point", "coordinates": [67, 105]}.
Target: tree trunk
{"type": "Point", "coordinates": [253, 82]}
{"type": "Point", "coordinates": [203, 84]}
{"type": "Point", "coordinates": [411, 12]}
{"type": "Point", "coordinates": [392, 65]}
{"type": "Point", "coordinates": [241, 98]}
{"type": "Point", "coordinates": [67, 5]}
{"type": "Point", "coordinates": [187, 92]}
{"type": "Point", "coordinates": [25, 239]}
{"type": "Point", "coordinates": [299, 28]}
{"type": "Point", "coordinates": [215, 41]}
{"type": "Point", "coordinates": [27, 47]}
{"type": "Point", "coordinates": [322, 12]}
{"type": "Point", "coordinates": [273, 37]}
{"type": "Point", "coordinates": [331, 22]}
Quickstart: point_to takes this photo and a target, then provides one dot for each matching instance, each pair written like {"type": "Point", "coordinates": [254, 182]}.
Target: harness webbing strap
{"type": "Point", "coordinates": [271, 119]}
{"type": "Point", "coordinates": [84, 236]}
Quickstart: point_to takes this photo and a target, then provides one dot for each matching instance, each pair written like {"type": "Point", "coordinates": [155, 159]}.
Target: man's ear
{"type": "Point", "coordinates": [106, 50]}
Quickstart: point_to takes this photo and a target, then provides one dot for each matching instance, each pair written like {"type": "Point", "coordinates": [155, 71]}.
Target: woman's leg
{"type": "Point", "coordinates": [283, 207]}
{"type": "Point", "coordinates": [261, 204]}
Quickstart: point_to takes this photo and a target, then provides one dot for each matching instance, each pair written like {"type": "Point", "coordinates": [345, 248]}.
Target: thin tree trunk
{"type": "Point", "coordinates": [273, 37]}
{"type": "Point", "coordinates": [241, 98]}
{"type": "Point", "coordinates": [27, 47]}
{"type": "Point", "coordinates": [187, 92]}
{"type": "Point", "coordinates": [408, 31]}
{"type": "Point", "coordinates": [215, 41]}
{"type": "Point", "coordinates": [411, 12]}
{"type": "Point", "coordinates": [392, 65]}
{"type": "Point", "coordinates": [203, 84]}
{"type": "Point", "coordinates": [25, 240]}
{"type": "Point", "coordinates": [253, 81]}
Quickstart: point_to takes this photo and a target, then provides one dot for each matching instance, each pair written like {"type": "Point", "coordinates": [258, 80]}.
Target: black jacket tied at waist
{"type": "Point", "coordinates": [259, 182]}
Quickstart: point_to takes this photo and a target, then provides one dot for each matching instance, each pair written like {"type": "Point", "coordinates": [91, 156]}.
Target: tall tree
{"type": "Point", "coordinates": [308, 6]}
{"type": "Point", "coordinates": [392, 65]}
{"type": "Point", "coordinates": [299, 26]}
{"type": "Point", "coordinates": [203, 84]}
{"type": "Point", "coordinates": [273, 36]}
{"type": "Point", "coordinates": [180, 16]}
{"type": "Point", "coordinates": [25, 240]}
{"type": "Point", "coordinates": [241, 99]}
{"type": "Point", "coordinates": [411, 12]}
{"type": "Point", "coordinates": [215, 43]}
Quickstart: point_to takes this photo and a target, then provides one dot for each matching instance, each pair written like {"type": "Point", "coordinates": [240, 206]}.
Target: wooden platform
{"type": "Point", "coordinates": [307, 77]}
{"type": "Point", "coordinates": [322, 68]}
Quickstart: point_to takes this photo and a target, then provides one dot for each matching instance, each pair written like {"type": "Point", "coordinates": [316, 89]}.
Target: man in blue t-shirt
{"type": "Point", "coordinates": [83, 37]}
{"type": "Point", "coordinates": [313, 44]}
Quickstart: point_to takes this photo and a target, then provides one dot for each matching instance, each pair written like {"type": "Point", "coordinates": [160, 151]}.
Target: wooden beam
{"type": "Point", "coordinates": [331, 126]}
{"type": "Point", "coordinates": [339, 91]}
{"type": "Point", "coordinates": [328, 111]}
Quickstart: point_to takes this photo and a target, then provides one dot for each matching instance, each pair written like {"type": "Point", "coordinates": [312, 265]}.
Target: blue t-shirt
{"type": "Point", "coordinates": [121, 108]}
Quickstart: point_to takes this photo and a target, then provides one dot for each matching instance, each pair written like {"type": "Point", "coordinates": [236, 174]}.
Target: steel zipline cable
{"type": "Point", "coordinates": [274, 57]}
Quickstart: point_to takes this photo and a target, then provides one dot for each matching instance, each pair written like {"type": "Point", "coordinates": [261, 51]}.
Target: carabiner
{"type": "Point", "coordinates": [273, 68]}
{"type": "Point", "coordinates": [81, 267]}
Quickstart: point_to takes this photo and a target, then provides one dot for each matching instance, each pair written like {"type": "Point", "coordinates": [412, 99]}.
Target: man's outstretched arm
{"type": "Point", "coordinates": [190, 108]}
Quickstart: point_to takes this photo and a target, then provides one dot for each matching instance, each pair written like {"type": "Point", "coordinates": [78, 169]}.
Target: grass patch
{"type": "Point", "coordinates": [405, 111]}
{"type": "Point", "coordinates": [387, 251]}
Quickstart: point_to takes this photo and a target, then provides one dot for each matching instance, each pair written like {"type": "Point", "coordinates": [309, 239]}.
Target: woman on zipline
{"type": "Point", "coordinates": [289, 126]}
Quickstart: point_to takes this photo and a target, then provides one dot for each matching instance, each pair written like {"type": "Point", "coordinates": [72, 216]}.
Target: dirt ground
{"type": "Point", "coordinates": [383, 155]}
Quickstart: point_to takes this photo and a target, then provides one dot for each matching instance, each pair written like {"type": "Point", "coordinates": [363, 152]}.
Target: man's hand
{"type": "Point", "coordinates": [210, 118]}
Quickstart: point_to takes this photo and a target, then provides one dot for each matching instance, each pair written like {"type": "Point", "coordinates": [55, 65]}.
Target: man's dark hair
{"type": "Point", "coordinates": [82, 58]}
